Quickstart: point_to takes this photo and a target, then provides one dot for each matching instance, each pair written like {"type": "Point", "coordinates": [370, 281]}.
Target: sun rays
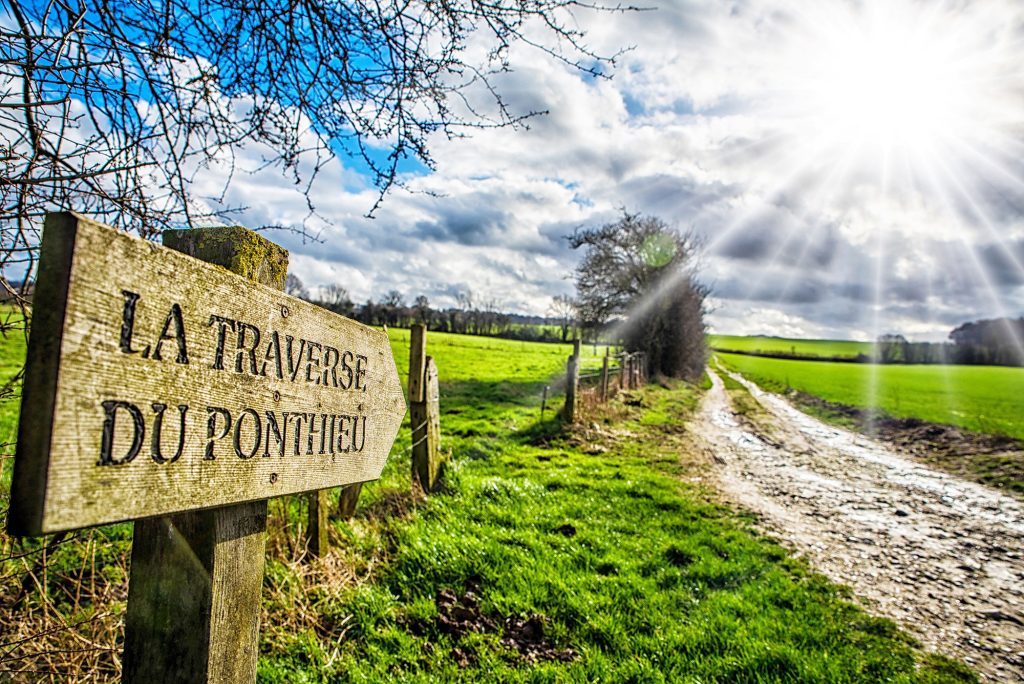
{"type": "Point", "coordinates": [890, 119]}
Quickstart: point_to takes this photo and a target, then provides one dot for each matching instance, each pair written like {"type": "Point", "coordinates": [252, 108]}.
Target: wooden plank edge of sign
{"type": "Point", "coordinates": [42, 370]}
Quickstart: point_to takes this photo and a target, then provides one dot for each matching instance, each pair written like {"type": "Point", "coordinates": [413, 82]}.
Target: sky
{"type": "Point", "coordinates": [853, 168]}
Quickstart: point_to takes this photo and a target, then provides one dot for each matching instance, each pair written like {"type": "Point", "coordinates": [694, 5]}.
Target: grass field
{"type": "Point", "coordinates": [836, 349]}
{"type": "Point", "coordinates": [600, 550]}
{"type": "Point", "coordinates": [12, 358]}
{"type": "Point", "coordinates": [986, 399]}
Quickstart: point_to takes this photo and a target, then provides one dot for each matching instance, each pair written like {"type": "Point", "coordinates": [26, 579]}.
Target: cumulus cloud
{"type": "Point", "coordinates": [806, 233]}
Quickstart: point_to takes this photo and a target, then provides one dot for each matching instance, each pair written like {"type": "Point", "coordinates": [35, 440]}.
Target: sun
{"type": "Point", "coordinates": [896, 86]}
{"type": "Point", "coordinates": [891, 87]}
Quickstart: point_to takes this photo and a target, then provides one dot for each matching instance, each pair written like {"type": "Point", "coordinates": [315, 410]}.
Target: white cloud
{"type": "Point", "coordinates": [703, 126]}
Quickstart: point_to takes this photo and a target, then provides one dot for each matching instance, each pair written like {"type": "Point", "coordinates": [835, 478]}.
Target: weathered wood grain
{"type": "Point", "coordinates": [426, 435]}
{"type": "Point", "coordinates": [569, 411]}
{"type": "Point", "coordinates": [88, 369]}
{"type": "Point", "coordinates": [348, 500]}
{"type": "Point", "coordinates": [316, 536]}
{"type": "Point", "coordinates": [194, 596]}
{"type": "Point", "coordinates": [194, 588]}
{"type": "Point", "coordinates": [417, 361]}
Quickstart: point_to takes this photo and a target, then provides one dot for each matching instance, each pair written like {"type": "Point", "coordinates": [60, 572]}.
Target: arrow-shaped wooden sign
{"type": "Point", "coordinates": [157, 383]}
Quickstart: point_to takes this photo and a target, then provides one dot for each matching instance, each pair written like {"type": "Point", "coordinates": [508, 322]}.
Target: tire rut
{"type": "Point", "coordinates": [941, 556]}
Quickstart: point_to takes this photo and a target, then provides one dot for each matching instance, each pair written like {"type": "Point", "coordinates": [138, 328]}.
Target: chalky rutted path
{"type": "Point", "coordinates": [941, 556]}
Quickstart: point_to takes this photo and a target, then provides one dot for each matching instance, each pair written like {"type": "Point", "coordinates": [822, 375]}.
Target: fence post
{"type": "Point", "coordinates": [417, 361]}
{"type": "Point", "coordinates": [424, 411]}
{"type": "Point", "coordinates": [622, 370]}
{"type": "Point", "coordinates": [543, 402]}
{"type": "Point", "coordinates": [572, 382]}
{"type": "Point", "coordinates": [316, 532]}
{"type": "Point", "coordinates": [604, 379]}
{"type": "Point", "coordinates": [194, 589]}
{"type": "Point", "coordinates": [571, 385]}
{"type": "Point", "coordinates": [348, 497]}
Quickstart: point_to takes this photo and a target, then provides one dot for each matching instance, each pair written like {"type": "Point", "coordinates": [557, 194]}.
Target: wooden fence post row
{"type": "Point", "coordinates": [165, 390]}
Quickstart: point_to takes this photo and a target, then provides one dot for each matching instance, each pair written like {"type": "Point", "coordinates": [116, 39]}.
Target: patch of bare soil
{"type": "Point", "coordinates": [458, 615]}
{"type": "Point", "coordinates": [942, 556]}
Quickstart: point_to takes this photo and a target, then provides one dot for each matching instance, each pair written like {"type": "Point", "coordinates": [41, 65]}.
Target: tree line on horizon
{"type": "Point", "coordinates": [470, 316]}
{"type": "Point", "coordinates": [986, 342]}
{"type": "Point", "coordinates": [636, 287]}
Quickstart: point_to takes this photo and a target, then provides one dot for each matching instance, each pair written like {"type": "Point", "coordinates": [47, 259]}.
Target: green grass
{"type": "Point", "coordinates": [836, 349]}
{"type": "Point", "coordinates": [635, 570]}
{"type": "Point", "coordinates": [985, 399]}
{"type": "Point", "coordinates": [627, 563]}
{"type": "Point", "coordinates": [12, 358]}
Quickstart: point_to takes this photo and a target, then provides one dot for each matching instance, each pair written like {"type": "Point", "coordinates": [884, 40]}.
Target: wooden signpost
{"type": "Point", "coordinates": [157, 384]}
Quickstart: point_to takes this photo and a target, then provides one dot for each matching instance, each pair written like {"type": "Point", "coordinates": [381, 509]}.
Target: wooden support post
{"type": "Point", "coordinates": [571, 386]}
{"type": "Point", "coordinates": [622, 370]}
{"type": "Point", "coordinates": [347, 500]}
{"type": "Point", "coordinates": [316, 535]}
{"type": "Point", "coordinates": [196, 577]}
{"type": "Point", "coordinates": [424, 411]}
{"type": "Point", "coordinates": [604, 379]}
{"type": "Point", "coordinates": [417, 362]}
{"type": "Point", "coordinates": [543, 402]}
{"type": "Point", "coordinates": [426, 434]}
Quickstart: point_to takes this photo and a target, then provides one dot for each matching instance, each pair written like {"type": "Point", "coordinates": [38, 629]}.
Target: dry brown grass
{"type": "Point", "coordinates": [61, 608]}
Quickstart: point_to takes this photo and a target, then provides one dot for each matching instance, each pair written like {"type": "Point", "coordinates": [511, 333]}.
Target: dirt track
{"type": "Point", "coordinates": [941, 556]}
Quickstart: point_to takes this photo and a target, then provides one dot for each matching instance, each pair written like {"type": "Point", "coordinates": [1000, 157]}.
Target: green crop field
{"type": "Point", "coordinates": [835, 349]}
{"type": "Point", "coordinates": [602, 548]}
{"type": "Point", "coordinates": [986, 399]}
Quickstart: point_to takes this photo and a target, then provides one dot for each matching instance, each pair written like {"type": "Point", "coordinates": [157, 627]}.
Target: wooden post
{"type": "Point", "coordinates": [316, 534]}
{"type": "Point", "coordinates": [424, 411]}
{"type": "Point", "coordinates": [604, 379]}
{"type": "Point", "coordinates": [622, 371]}
{"type": "Point", "coordinates": [571, 386]}
{"type": "Point", "coordinates": [543, 402]}
{"type": "Point", "coordinates": [417, 361]}
{"type": "Point", "coordinates": [196, 577]}
{"type": "Point", "coordinates": [347, 500]}
{"type": "Point", "coordinates": [426, 434]}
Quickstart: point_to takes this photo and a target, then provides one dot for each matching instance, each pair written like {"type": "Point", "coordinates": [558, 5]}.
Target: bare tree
{"type": "Point", "coordinates": [113, 108]}
{"type": "Point", "coordinates": [421, 307]}
{"type": "Point", "coordinates": [294, 286]}
{"type": "Point", "coordinates": [563, 310]}
{"type": "Point", "coordinates": [336, 298]}
{"type": "Point", "coordinates": [638, 269]}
